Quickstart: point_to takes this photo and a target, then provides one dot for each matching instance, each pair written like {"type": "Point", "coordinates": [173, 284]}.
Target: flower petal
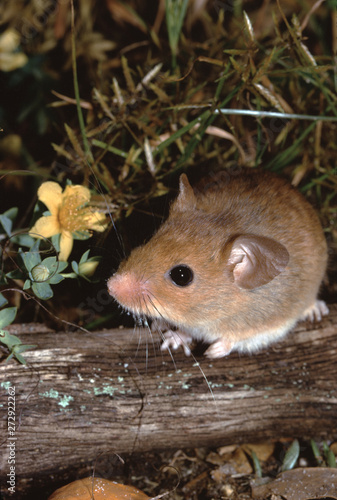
{"type": "Point", "coordinates": [66, 245]}
{"type": "Point", "coordinates": [96, 221]}
{"type": "Point", "coordinates": [50, 193]}
{"type": "Point", "coordinates": [81, 192]}
{"type": "Point", "coordinates": [45, 227]}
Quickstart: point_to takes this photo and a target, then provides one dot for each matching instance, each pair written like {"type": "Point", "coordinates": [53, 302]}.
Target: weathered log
{"type": "Point", "coordinates": [82, 394]}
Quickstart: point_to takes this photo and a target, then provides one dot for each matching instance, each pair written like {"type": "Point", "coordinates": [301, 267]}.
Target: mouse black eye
{"type": "Point", "coordinates": [181, 275]}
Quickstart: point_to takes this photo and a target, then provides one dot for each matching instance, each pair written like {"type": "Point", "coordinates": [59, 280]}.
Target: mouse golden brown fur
{"type": "Point", "coordinates": [236, 265]}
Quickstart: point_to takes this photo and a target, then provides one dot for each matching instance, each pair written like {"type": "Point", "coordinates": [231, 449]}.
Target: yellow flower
{"type": "Point", "coordinates": [10, 57]}
{"type": "Point", "coordinates": [69, 213]}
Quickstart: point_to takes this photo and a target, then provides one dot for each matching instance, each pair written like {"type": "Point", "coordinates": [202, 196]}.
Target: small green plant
{"type": "Point", "coordinates": [42, 273]}
{"type": "Point", "coordinates": [175, 15]}
{"type": "Point", "coordinates": [36, 260]}
{"type": "Point", "coordinates": [13, 343]}
{"type": "Point", "coordinates": [325, 459]}
{"type": "Point", "coordinates": [291, 456]}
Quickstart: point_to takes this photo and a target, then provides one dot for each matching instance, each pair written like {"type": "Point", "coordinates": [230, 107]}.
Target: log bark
{"type": "Point", "coordinates": [82, 394]}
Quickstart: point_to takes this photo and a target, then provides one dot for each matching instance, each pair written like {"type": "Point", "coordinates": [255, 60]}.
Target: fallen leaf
{"type": "Point", "coordinates": [263, 451]}
{"type": "Point", "coordinates": [301, 484]}
{"type": "Point", "coordinates": [233, 464]}
{"type": "Point", "coordinates": [122, 13]}
{"type": "Point", "coordinates": [103, 489]}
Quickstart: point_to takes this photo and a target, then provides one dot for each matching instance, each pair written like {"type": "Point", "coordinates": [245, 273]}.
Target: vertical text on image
{"type": "Point", "coordinates": [11, 441]}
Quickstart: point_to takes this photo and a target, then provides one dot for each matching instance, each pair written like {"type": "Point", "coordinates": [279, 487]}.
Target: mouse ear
{"type": "Point", "coordinates": [256, 260]}
{"type": "Point", "coordinates": [186, 197]}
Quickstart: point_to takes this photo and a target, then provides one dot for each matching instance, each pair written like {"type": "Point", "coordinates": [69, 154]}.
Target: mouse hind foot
{"type": "Point", "coordinates": [173, 339]}
{"type": "Point", "coordinates": [219, 349]}
{"type": "Point", "coordinates": [316, 311]}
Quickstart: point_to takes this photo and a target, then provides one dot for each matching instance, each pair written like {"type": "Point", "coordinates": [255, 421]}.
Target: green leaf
{"type": "Point", "coordinates": [286, 156]}
{"type": "Point", "coordinates": [74, 265]}
{"type": "Point", "coordinates": [11, 213]}
{"type": "Point", "coordinates": [18, 349]}
{"type": "Point", "coordinates": [35, 246]}
{"type": "Point", "coordinates": [256, 464]}
{"type": "Point", "coordinates": [54, 265]}
{"type": "Point", "coordinates": [14, 344]}
{"type": "Point", "coordinates": [17, 274]}
{"type": "Point", "coordinates": [9, 357]}
{"type": "Point", "coordinates": [61, 266]}
{"type": "Point", "coordinates": [7, 316]}
{"type": "Point", "coordinates": [23, 347]}
{"type": "Point", "coordinates": [6, 224]}
{"type": "Point", "coordinates": [27, 285]}
{"type": "Point", "coordinates": [18, 356]}
{"type": "Point", "coordinates": [56, 241]}
{"type": "Point", "coordinates": [84, 257]}
{"type": "Point", "coordinates": [51, 263]}
{"type": "Point", "coordinates": [179, 133]}
{"type": "Point", "coordinates": [23, 240]}
{"type": "Point", "coordinates": [7, 219]}
{"type": "Point", "coordinates": [3, 300]}
{"type": "Point", "coordinates": [331, 459]}
{"type": "Point", "coordinates": [42, 290]}
{"type": "Point", "coordinates": [291, 456]}
{"type": "Point", "coordinates": [316, 452]}
{"type": "Point", "coordinates": [3, 280]}
{"type": "Point", "coordinates": [329, 456]}
{"type": "Point", "coordinates": [175, 14]}
{"type": "Point", "coordinates": [9, 340]}
{"type": "Point", "coordinates": [30, 259]}
{"type": "Point", "coordinates": [57, 278]}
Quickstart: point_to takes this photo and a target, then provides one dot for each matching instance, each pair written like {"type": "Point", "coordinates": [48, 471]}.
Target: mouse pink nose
{"type": "Point", "coordinates": [127, 289]}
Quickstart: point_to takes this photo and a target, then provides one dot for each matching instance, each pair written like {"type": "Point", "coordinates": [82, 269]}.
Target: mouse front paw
{"type": "Point", "coordinates": [219, 349]}
{"type": "Point", "coordinates": [175, 339]}
{"type": "Point", "coordinates": [316, 311]}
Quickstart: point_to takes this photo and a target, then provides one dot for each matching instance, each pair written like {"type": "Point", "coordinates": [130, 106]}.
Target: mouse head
{"type": "Point", "coordinates": [195, 266]}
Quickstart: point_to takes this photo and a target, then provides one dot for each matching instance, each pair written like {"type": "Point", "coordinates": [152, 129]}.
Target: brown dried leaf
{"type": "Point", "coordinates": [333, 448]}
{"type": "Point", "coordinates": [127, 75]}
{"type": "Point", "coordinates": [68, 100]}
{"type": "Point", "coordinates": [212, 130]}
{"type": "Point", "coordinates": [124, 14]}
{"type": "Point", "coordinates": [74, 141]}
{"type": "Point", "coordinates": [230, 464]}
{"type": "Point", "coordinates": [100, 488]}
{"type": "Point", "coordinates": [263, 451]}
{"type": "Point", "coordinates": [301, 484]}
{"type": "Point", "coordinates": [248, 27]}
{"type": "Point", "coordinates": [230, 448]}
{"type": "Point", "coordinates": [269, 96]}
{"type": "Point", "coordinates": [94, 46]}
{"type": "Point", "coordinates": [62, 152]}
{"type": "Point", "coordinates": [160, 93]}
{"type": "Point", "coordinates": [103, 104]}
